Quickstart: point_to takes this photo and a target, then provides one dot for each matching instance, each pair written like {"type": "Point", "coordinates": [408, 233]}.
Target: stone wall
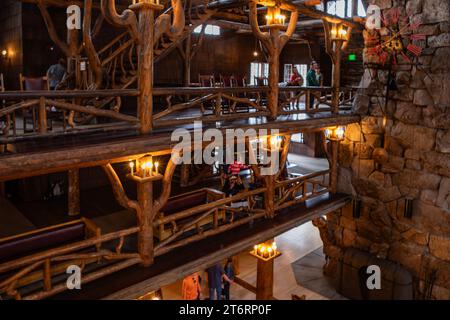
{"type": "Point", "coordinates": [399, 150]}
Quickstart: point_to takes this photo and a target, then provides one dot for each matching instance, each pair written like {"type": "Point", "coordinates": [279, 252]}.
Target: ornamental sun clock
{"type": "Point", "coordinates": [391, 36]}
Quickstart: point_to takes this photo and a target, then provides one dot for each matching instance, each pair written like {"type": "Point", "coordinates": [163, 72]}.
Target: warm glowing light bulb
{"type": "Point", "coordinates": [340, 133]}
{"type": "Point", "coordinates": [255, 53]}
{"type": "Point", "coordinates": [156, 167]}
{"type": "Point", "coordinates": [274, 246]}
{"type": "Point", "coordinates": [132, 167]}
{"type": "Point", "coordinates": [4, 53]}
{"type": "Point", "coordinates": [150, 167]}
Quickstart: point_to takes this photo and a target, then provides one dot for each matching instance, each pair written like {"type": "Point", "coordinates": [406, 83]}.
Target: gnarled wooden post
{"type": "Point", "coordinates": [146, 32]}
{"type": "Point", "coordinates": [334, 48]}
{"type": "Point", "coordinates": [145, 206]}
{"type": "Point", "coordinates": [274, 41]}
{"type": "Point", "coordinates": [270, 180]}
{"type": "Point", "coordinates": [332, 157]}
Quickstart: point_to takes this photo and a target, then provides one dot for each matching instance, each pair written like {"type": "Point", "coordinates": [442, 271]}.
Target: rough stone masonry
{"type": "Point", "coordinates": [399, 150]}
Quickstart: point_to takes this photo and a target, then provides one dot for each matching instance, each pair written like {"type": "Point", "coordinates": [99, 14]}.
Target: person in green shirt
{"type": "Point", "coordinates": [312, 80]}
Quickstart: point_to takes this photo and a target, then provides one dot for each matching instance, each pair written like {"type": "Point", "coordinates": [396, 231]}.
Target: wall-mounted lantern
{"type": "Point", "coordinates": [274, 16]}
{"type": "Point", "coordinates": [335, 133]}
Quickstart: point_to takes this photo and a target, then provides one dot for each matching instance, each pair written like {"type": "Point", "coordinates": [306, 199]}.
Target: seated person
{"type": "Point", "coordinates": [296, 78]}
{"type": "Point", "coordinates": [233, 185]}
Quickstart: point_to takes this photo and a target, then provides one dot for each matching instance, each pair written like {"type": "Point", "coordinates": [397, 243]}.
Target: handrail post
{"type": "Point", "coordinates": [42, 116]}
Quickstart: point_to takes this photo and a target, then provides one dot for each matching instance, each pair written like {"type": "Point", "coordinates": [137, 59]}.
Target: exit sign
{"type": "Point", "coordinates": [352, 57]}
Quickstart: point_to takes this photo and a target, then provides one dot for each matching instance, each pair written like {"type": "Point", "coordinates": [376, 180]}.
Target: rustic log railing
{"type": "Point", "coordinates": [298, 99]}
{"type": "Point", "coordinates": [223, 214]}
{"type": "Point", "coordinates": [106, 255]}
{"type": "Point", "coordinates": [48, 266]}
{"type": "Point", "coordinates": [297, 190]}
{"type": "Point", "coordinates": [185, 105]}
{"type": "Point", "coordinates": [44, 107]}
{"type": "Point", "coordinates": [75, 110]}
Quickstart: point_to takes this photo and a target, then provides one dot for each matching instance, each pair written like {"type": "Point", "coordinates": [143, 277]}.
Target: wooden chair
{"type": "Point", "coordinates": [240, 81]}
{"type": "Point", "coordinates": [261, 81]}
{"type": "Point", "coordinates": [32, 84]}
{"type": "Point", "coordinates": [227, 81]}
{"type": "Point", "coordinates": [206, 80]}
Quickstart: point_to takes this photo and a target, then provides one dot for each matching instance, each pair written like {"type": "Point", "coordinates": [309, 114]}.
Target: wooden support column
{"type": "Point", "coordinates": [274, 72]}
{"type": "Point", "coordinates": [42, 116]}
{"type": "Point", "coordinates": [336, 80]}
{"type": "Point", "coordinates": [187, 61]}
{"type": "Point", "coordinates": [145, 207]}
{"type": "Point", "coordinates": [264, 278]}
{"type": "Point", "coordinates": [145, 65]}
{"type": "Point", "coordinates": [74, 192]}
{"type": "Point", "coordinates": [335, 43]}
{"type": "Point", "coordinates": [145, 235]}
{"type": "Point", "coordinates": [334, 165]}
{"type": "Point", "coordinates": [184, 175]}
{"type": "Point", "coordinates": [269, 196]}
{"type": "Point", "coordinates": [274, 41]}
{"type": "Point", "coordinates": [237, 269]}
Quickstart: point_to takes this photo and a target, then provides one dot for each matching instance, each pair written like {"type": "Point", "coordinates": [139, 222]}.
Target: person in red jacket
{"type": "Point", "coordinates": [296, 78]}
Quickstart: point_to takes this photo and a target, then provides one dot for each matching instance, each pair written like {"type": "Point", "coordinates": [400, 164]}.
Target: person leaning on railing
{"type": "Point", "coordinates": [312, 80]}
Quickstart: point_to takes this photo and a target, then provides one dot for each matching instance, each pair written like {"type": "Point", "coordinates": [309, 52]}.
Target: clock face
{"type": "Point", "coordinates": [391, 36]}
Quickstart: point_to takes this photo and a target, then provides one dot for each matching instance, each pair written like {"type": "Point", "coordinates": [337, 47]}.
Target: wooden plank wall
{"type": "Point", "coordinates": [11, 40]}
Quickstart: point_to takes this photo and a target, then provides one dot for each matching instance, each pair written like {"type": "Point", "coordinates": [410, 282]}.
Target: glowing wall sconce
{"type": "Point", "coordinates": [275, 143]}
{"type": "Point", "coordinates": [274, 16]}
{"type": "Point", "coordinates": [265, 252]}
{"type": "Point", "coordinates": [339, 32]}
{"type": "Point", "coordinates": [145, 168]}
{"type": "Point", "coordinates": [4, 54]}
{"type": "Point", "coordinates": [336, 133]}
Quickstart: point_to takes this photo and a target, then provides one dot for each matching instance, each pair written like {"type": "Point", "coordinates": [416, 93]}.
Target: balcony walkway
{"type": "Point", "coordinates": [58, 153]}
{"type": "Point", "coordinates": [176, 264]}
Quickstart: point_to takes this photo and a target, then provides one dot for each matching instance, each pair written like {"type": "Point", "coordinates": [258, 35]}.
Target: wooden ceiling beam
{"type": "Point", "coordinates": [246, 28]}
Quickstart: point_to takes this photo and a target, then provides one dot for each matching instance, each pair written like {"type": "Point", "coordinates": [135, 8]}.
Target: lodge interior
{"type": "Point", "coordinates": [87, 172]}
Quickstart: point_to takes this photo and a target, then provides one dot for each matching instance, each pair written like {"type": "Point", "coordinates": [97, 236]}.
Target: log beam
{"type": "Point", "coordinates": [74, 192]}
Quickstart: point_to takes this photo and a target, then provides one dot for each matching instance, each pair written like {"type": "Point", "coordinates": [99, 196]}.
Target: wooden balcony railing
{"type": "Point", "coordinates": [105, 254]}
{"type": "Point", "coordinates": [312, 99]}
{"type": "Point", "coordinates": [73, 111]}
{"type": "Point", "coordinates": [297, 190]}
{"type": "Point", "coordinates": [49, 266]}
